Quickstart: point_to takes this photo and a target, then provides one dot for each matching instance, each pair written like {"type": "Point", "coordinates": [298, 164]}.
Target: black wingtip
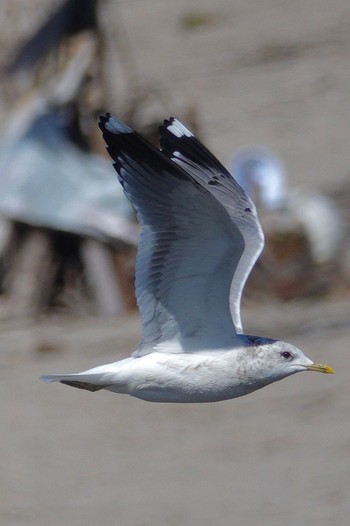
{"type": "Point", "coordinates": [166, 123]}
{"type": "Point", "coordinates": [103, 119]}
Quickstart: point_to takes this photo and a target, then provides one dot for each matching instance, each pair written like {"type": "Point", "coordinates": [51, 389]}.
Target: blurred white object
{"type": "Point", "coordinates": [47, 181]}
{"type": "Point", "coordinates": [321, 221]}
{"type": "Point", "coordinates": [262, 176]}
{"type": "Point", "coordinates": [264, 179]}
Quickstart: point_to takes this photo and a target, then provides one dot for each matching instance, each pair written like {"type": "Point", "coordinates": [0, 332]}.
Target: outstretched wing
{"type": "Point", "coordinates": [190, 247]}
{"type": "Point", "coordinates": [179, 145]}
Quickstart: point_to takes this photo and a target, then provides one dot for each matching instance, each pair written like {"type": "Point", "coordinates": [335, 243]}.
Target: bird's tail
{"type": "Point", "coordinates": [90, 382]}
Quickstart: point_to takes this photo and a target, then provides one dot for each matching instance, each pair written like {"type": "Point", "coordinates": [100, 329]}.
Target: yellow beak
{"type": "Point", "coordinates": [320, 367]}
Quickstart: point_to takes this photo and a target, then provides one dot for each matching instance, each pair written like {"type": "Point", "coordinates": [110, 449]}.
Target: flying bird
{"type": "Point", "coordinates": [199, 241]}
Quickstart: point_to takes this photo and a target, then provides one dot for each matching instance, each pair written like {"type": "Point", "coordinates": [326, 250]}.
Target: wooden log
{"type": "Point", "coordinates": [31, 275]}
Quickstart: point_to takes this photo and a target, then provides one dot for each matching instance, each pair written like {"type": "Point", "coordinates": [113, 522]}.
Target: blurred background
{"type": "Point", "coordinates": [265, 85]}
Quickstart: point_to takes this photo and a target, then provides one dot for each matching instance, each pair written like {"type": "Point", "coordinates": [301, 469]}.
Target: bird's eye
{"type": "Point", "coordinates": [287, 355]}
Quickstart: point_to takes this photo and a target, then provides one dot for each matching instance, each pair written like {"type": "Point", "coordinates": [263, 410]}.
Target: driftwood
{"type": "Point", "coordinates": [32, 268]}
{"type": "Point", "coordinates": [44, 270]}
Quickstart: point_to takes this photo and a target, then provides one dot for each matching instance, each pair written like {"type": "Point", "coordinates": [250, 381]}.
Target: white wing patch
{"type": "Point", "coordinates": [116, 126]}
{"type": "Point", "coordinates": [179, 130]}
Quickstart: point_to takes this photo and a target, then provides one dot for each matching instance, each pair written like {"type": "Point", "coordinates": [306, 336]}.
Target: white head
{"type": "Point", "coordinates": [290, 360]}
{"type": "Point", "coordinates": [274, 360]}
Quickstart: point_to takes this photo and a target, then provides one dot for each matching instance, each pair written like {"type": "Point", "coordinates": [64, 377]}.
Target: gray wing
{"type": "Point", "coordinates": [179, 145]}
{"type": "Point", "coordinates": [190, 247]}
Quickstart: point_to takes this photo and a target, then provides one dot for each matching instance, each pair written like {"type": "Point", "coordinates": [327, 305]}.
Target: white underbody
{"type": "Point", "coordinates": [192, 377]}
{"type": "Point", "coordinates": [158, 377]}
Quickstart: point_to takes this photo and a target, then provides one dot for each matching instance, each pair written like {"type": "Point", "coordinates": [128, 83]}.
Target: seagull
{"type": "Point", "coordinates": [200, 238]}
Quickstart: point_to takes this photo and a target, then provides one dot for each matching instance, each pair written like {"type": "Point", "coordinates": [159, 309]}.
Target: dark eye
{"type": "Point", "coordinates": [287, 355]}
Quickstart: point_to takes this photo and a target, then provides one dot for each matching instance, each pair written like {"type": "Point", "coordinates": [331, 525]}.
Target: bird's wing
{"type": "Point", "coordinates": [190, 247]}
{"type": "Point", "coordinates": [179, 145]}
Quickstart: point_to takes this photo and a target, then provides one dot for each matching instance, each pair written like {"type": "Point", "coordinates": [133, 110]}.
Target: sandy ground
{"type": "Point", "coordinates": [272, 73]}
{"type": "Point", "coordinates": [278, 456]}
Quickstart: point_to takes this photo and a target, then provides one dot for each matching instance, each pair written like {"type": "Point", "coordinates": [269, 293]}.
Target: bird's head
{"type": "Point", "coordinates": [284, 359]}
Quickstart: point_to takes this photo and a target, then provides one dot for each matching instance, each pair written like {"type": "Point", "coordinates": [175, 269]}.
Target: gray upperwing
{"type": "Point", "coordinates": [189, 247]}
{"type": "Point", "coordinates": [191, 155]}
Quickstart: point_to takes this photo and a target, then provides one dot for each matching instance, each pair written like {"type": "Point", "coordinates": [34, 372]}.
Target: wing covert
{"type": "Point", "coordinates": [179, 145]}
